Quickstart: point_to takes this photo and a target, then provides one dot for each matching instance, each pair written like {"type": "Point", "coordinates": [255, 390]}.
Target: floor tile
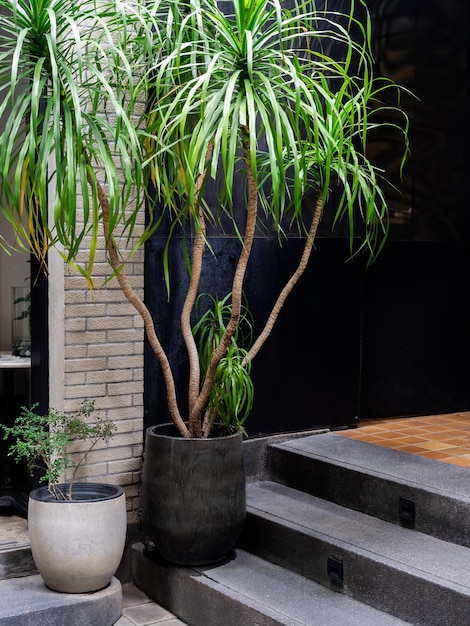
{"type": "Point", "coordinates": [410, 448]}
{"type": "Point", "coordinates": [409, 439]}
{"type": "Point", "coordinates": [123, 621]}
{"type": "Point", "coordinates": [146, 614]}
{"type": "Point", "coordinates": [438, 455]}
{"type": "Point", "coordinates": [458, 451]}
{"type": "Point", "coordinates": [390, 434]}
{"type": "Point", "coordinates": [452, 436]}
{"type": "Point", "coordinates": [371, 438]}
{"type": "Point", "coordinates": [13, 532]}
{"type": "Point", "coordinates": [464, 461]}
{"type": "Point", "coordinates": [445, 437]}
{"type": "Point", "coordinates": [132, 595]}
{"type": "Point", "coordinates": [435, 445]}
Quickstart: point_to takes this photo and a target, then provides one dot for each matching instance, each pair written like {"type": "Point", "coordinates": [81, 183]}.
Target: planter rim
{"type": "Point", "coordinates": [153, 431]}
{"type": "Point", "coordinates": [86, 492]}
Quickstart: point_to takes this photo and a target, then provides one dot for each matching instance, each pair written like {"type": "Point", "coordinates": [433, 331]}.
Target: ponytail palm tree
{"type": "Point", "coordinates": [113, 100]}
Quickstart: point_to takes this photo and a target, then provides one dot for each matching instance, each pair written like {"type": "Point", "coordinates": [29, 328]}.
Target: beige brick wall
{"type": "Point", "coordinates": [96, 352]}
{"type": "Point", "coordinates": [102, 360]}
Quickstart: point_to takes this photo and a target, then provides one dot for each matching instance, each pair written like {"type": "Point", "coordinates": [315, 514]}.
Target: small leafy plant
{"type": "Point", "coordinates": [231, 397]}
{"type": "Point", "coordinates": [21, 322]}
{"type": "Point", "coordinates": [43, 440]}
{"type": "Point", "coordinates": [26, 312]}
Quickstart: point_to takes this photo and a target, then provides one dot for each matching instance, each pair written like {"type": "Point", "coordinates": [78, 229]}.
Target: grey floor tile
{"type": "Point", "coordinates": [174, 621]}
{"type": "Point", "coordinates": [132, 595]}
{"type": "Point", "coordinates": [123, 621]}
{"type": "Point", "coordinates": [147, 614]}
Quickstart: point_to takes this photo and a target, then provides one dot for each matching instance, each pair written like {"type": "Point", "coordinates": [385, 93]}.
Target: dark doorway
{"type": "Point", "coordinates": [416, 337]}
{"type": "Point", "coordinates": [25, 388]}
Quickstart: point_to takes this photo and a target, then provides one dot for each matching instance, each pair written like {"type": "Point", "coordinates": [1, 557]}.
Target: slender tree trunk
{"type": "Point", "coordinates": [237, 288]}
{"type": "Point", "coordinates": [143, 311]}
{"type": "Point", "coordinates": [307, 251]}
{"type": "Point", "coordinates": [195, 280]}
{"type": "Point", "coordinates": [191, 348]}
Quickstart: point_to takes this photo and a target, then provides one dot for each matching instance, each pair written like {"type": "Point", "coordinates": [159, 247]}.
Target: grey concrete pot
{"type": "Point", "coordinates": [193, 495]}
{"type": "Point", "coordinates": [77, 544]}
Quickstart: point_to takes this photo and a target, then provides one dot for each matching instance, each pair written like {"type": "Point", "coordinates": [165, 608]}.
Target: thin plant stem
{"type": "Point", "coordinates": [143, 311]}
{"type": "Point", "coordinates": [307, 251]}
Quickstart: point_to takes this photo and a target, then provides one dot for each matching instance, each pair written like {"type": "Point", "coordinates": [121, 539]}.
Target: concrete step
{"type": "Point", "coordinates": [430, 496]}
{"type": "Point", "coordinates": [27, 601]}
{"type": "Point", "coordinates": [16, 561]}
{"type": "Point", "coordinates": [337, 532]}
{"type": "Point", "coordinates": [15, 551]}
{"type": "Point", "coordinates": [248, 591]}
{"type": "Point", "coordinates": [412, 575]}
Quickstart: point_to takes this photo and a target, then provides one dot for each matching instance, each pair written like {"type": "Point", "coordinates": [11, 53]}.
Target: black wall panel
{"type": "Point", "coordinates": [308, 372]}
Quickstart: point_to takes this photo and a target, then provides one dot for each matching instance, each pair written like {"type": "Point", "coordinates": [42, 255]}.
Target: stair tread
{"type": "Point", "coordinates": [443, 478]}
{"type": "Point", "coordinates": [405, 548]}
{"type": "Point", "coordinates": [15, 550]}
{"type": "Point", "coordinates": [13, 533]}
{"type": "Point", "coordinates": [250, 590]}
{"type": "Point", "coordinates": [27, 600]}
{"type": "Point", "coordinates": [339, 556]}
{"type": "Point", "coordinates": [291, 595]}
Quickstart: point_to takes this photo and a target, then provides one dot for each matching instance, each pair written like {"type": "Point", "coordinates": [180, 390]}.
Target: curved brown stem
{"type": "Point", "coordinates": [237, 289]}
{"type": "Point", "coordinates": [143, 311]}
{"type": "Point", "coordinates": [191, 295]}
{"type": "Point", "coordinates": [307, 251]}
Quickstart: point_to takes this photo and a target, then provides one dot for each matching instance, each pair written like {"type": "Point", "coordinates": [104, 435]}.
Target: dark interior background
{"type": "Point", "coordinates": [415, 331]}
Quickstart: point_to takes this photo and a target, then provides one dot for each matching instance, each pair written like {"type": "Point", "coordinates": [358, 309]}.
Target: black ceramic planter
{"type": "Point", "coordinates": [193, 495]}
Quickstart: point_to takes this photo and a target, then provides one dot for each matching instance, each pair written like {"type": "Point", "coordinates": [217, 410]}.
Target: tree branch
{"type": "Point", "coordinates": [191, 295]}
{"type": "Point", "coordinates": [307, 251]}
{"type": "Point", "coordinates": [237, 288]}
{"type": "Point", "coordinates": [143, 311]}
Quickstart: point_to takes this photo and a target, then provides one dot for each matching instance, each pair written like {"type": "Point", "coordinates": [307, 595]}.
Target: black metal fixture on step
{"type": "Point", "coordinates": [407, 512]}
{"type": "Point", "coordinates": [334, 570]}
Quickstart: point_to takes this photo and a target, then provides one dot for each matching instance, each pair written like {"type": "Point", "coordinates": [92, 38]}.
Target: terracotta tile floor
{"type": "Point", "coordinates": [442, 437]}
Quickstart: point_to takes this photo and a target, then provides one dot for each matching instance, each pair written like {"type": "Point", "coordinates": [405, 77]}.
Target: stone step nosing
{"type": "Point", "coordinates": [368, 458]}
{"type": "Point", "coordinates": [317, 465]}
{"type": "Point", "coordinates": [16, 562]}
{"type": "Point", "coordinates": [308, 513]}
{"type": "Point", "coordinates": [411, 593]}
{"type": "Point", "coordinates": [249, 590]}
{"type": "Point", "coordinates": [28, 602]}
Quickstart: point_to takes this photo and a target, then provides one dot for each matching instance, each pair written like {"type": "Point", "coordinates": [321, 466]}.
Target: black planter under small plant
{"type": "Point", "coordinates": [193, 492]}
{"type": "Point", "coordinates": [77, 530]}
{"type": "Point", "coordinates": [193, 488]}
